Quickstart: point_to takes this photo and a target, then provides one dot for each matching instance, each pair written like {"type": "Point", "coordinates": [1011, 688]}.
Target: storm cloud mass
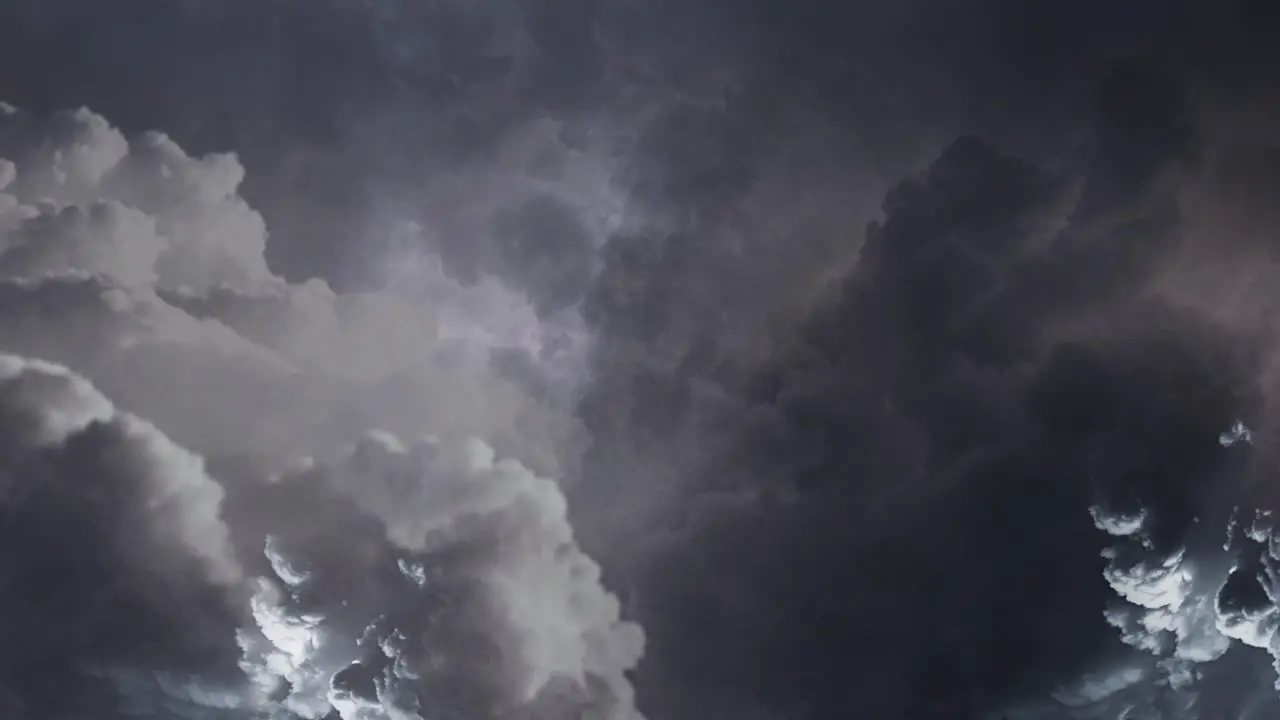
{"type": "Point", "coordinates": [408, 360]}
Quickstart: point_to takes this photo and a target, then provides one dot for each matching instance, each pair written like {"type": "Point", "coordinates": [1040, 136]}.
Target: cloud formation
{"type": "Point", "coordinates": [1201, 604]}
{"type": "Point", "coordinates": [291, 577]}
{"type": "Point", "coordinates": [119, 255]}
{"type": "Point", "coordinates": [432, 580]}
{"type": "Point", "coordinates": [118, 555]}
{"type": "Point", "coordinates": [918, 456]}
{"type": "Point", "coordinates": [836, 468]}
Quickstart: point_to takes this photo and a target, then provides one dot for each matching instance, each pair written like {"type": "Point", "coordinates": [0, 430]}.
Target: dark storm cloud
{"type": "Point", "coordinates": [894, 506]}
{"type": "Point", "coordinates": [346, 113]}
{"type": "Point", "coordinates": [296, 87]}
{"type": "Point", "coordinates": [392, 588]}
{"type": "Point", "coordinates": [394, 582]}
{"type": "Point", "coordinates": [116, 551]}
{"type": "Point", "coordinates": [343, 110]}
{"type": "Point", "coordinates": [838, 473]}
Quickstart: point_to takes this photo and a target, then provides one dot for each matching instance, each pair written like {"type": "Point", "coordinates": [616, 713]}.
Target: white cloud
{"type": "Point", "coordinates": [457, 526]}
{"type": "Point", "coordinates": [1189, 605]}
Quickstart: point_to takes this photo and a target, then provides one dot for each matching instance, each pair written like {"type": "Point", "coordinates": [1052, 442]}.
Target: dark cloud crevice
{"type": "Point", "coordinates": [1000, 330]}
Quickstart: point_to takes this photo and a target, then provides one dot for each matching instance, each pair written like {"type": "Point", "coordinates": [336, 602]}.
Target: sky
{"type": "Point", "coordinates": [626, 359]}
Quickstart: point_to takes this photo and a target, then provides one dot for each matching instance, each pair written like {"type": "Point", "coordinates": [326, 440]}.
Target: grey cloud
{"type": "Point", "coordinates": [396, 582]}
{"type": "Point", "coordinates": [380, 581]}
{"type": "Point", "coordinates": [918, 459]}
{"type": "Point", "coordinates": [118, 555]}
{"type": "Point", "coordinates": [882, 446]}
{"type": "Point", "coordinates": [124, 255]}
{"type": "Point", "coordinates": [434, 580]}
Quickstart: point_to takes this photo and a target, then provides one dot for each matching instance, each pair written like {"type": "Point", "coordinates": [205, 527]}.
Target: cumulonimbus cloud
{"type": "Point", "coordinates": [293, 572]}
{"type": "Point", "coordinates": [121, 255]}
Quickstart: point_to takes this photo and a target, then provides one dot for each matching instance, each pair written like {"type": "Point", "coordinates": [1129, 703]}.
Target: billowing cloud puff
{"type": "Point", "coordinates": [840, 474]}
{"type": "Point", "coordinates": [428, 579]}
{"type": "Point", "coordinates": [380, 581]}
{"type": "Point", "coordinates": [212, 235]}
{"type": "Point", "coordinates": [396, 582]}
{"type": "Point", "coordinates": [1197, 604]}
{"type": "Point", "coordinates": [117, 557]}
{"type": "Point", "coordinates": [140, 266]}
{"type": "Point", "coordinates": [918, 456]}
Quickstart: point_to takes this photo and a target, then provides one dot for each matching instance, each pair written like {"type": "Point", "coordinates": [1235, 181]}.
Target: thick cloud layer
{"type": "Point", "coordinates": [835, 469]}
{"type": "Point", "coordinates": [123, 255]}
{"type": "Point", "coordinates": [895, 503]}
{"type": "Point", "coordinates": [117, 556]}
{"type": "Point", "coordinates": [397, 582]}
{"type": "Point", "coordinates": [431, 581]}
{"type": "Point", "coordinates": [380, 581]}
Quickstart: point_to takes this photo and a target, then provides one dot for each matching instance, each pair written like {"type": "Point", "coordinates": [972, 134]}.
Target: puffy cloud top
{"type": "Point", "coordinates": [117, 255]}
{"type": "Point", "coordinates": [375, 581]}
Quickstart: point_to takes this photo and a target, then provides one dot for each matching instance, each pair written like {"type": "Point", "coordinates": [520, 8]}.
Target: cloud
{"type": "Point", "coordinates": [1202, 604]}
{"type": "Point", "coordinates": [214, 237]}
{"type": "Point", "coordinates": [121, 255]}
{"type": "Point", "coordinates": [395, 582]}
{"type": "Point", "coordinates": [882, 446]}
{"type": "Point", "coordinates": [894, 496]}
{"type": "Point", "coordinates": [431, 579]}
{"type": "Point", "coordinates": [376, 581]}
{"type": "Point", "coordinates": [118, 555]}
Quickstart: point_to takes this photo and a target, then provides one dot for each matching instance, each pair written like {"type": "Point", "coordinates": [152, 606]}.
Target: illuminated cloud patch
{"type": "Point", "coordinates": [380, 581]}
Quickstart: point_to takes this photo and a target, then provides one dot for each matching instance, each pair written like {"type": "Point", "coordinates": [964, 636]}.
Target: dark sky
{"type": "Point", "coordinates": [904, 290]}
